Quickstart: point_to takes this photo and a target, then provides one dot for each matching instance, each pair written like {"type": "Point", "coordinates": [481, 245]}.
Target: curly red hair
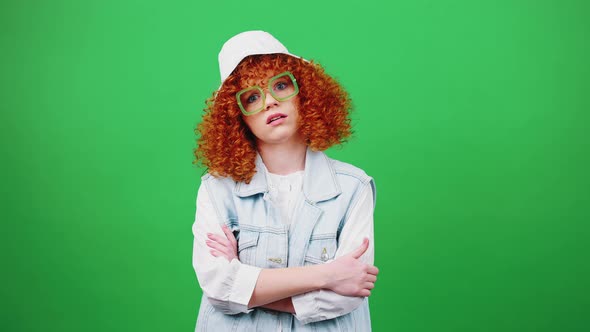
{"type": "Point", "coordinates": [227, 147]}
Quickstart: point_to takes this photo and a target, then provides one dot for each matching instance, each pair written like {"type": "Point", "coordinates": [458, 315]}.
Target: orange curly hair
{"type": "Point", "coordinates": [227, 147]}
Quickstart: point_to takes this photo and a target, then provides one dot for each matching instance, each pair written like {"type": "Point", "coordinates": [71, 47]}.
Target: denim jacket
{"type": "Point", "coordinates": [330, 189]}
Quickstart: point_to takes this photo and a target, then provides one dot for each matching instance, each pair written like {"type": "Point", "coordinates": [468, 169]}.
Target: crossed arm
{"type": "Point", "coordinates": [346, 275]}
{"type": "Point", "coordinates": [325, 291]}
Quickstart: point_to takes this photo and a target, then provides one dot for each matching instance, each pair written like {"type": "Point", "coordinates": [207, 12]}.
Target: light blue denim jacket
{"type": "Point", "coordinates": [330, 189]}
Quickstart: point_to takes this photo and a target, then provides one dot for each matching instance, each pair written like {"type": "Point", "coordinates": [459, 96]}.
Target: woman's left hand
{"type": "Point", "coordinates": [223, 246]}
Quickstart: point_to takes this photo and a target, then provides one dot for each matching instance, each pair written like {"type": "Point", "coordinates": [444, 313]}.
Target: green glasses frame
{"type": "Point", "coordinates": [272, 92]}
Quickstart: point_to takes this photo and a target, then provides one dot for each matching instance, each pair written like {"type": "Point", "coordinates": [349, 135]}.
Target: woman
{"type": "Point", "coordinates": [283, 234]}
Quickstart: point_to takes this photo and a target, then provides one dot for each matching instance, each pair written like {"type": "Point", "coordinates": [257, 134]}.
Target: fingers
{"type": "Point", "coordinates": [372, 270]}
{"type": "Point", "coordinates": [219, 238]}
{"type": "Point", "coordinates": [216, 253]}
{"type": "Point", "coordinates": [230, 236]}
{"type": "Point", "coordinates": [358, 252]}
{"type": "Point", "coordinates": [225, 250]}
{"type": "Point", "coordinates": [365, 291]}
{"type": "Point", "coordinates": [223, 245]}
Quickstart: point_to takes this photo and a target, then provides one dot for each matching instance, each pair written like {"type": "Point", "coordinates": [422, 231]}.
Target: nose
{"type": "Point", "coordinates": [270, 101]}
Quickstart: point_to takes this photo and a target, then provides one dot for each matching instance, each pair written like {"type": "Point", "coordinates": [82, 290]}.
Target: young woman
{"type": "Point", "coordinates": [283, 234]}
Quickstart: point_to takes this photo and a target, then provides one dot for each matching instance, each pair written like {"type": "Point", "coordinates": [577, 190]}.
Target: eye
{"type": "Point", "coordinates": [281, 86]}
{"type": "Point", "coordinates": [252, 98]}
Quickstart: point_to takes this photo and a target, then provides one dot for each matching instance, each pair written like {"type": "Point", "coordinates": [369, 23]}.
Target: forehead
{"type": "Point", "coordinates": [256, 78]}
{"type": "Point", "coordinates": [260, 77]}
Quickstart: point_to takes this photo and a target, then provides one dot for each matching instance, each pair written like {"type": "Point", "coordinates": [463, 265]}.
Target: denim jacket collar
{"type": "Point", "coordinates": [319, 179]}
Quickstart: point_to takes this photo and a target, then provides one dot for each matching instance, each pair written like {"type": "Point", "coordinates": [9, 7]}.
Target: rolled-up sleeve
{"type": "Point", "coordinates": [325, 304]}
{"type": "Point", "coordinates": [227, 285]}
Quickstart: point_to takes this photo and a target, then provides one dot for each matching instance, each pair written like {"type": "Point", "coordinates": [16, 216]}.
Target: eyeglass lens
{"type": "Point", "coordinates": [282, 88]}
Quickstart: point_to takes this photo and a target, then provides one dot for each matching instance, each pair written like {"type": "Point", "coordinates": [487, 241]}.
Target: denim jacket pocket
{"type": "Point", "coordinates": [247, 242]}
{"type": "Point", "coordinates": [322, 247]}
{"type": "Point", "coordinates": [265, 247]}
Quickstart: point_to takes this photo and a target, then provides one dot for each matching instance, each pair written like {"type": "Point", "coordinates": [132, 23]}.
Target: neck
{"type": "Point", "coordinates": [284, 158]}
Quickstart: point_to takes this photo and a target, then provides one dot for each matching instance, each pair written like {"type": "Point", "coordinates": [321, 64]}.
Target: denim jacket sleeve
{"type": "Point", "coordinates": [227, 285]}
{"type": "Point", "coordinates": [325, 304]}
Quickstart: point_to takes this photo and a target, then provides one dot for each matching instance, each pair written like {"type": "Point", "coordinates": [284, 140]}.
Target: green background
{"type": "Point", "coordinates": [472, 116]}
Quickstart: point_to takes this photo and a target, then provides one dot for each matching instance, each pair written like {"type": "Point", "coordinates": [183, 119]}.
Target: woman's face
{"type": "Point", "coordinates": [278, 122]}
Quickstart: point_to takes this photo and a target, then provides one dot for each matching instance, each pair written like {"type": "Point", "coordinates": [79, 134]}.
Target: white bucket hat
{"type": "Point", "coordinates": [244, 44]}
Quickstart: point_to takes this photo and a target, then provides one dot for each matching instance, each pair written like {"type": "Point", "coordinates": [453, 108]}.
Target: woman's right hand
{"type": "Point", "coordinates": [223, 246]}
{"type": "Point", "coordinates": [349, 276]}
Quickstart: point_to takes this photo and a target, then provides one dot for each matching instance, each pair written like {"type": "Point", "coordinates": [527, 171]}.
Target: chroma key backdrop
{"type": "Point", "coordinates": [472, 117]}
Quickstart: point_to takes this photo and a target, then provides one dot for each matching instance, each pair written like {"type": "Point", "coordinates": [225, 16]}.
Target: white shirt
{"type": "Point", "coordinates": [234, 282]}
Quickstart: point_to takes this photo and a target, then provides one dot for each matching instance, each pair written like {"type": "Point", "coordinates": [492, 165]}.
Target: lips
{"type": "Point", "coordinates": [275, 117]}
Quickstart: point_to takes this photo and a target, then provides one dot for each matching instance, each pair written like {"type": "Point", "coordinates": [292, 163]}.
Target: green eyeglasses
{"type": "Point", "coordinates": [253, 99]}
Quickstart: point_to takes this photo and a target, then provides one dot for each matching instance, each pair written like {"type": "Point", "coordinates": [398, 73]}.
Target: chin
{"type": "Point", "coordinates": [276, 140]}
